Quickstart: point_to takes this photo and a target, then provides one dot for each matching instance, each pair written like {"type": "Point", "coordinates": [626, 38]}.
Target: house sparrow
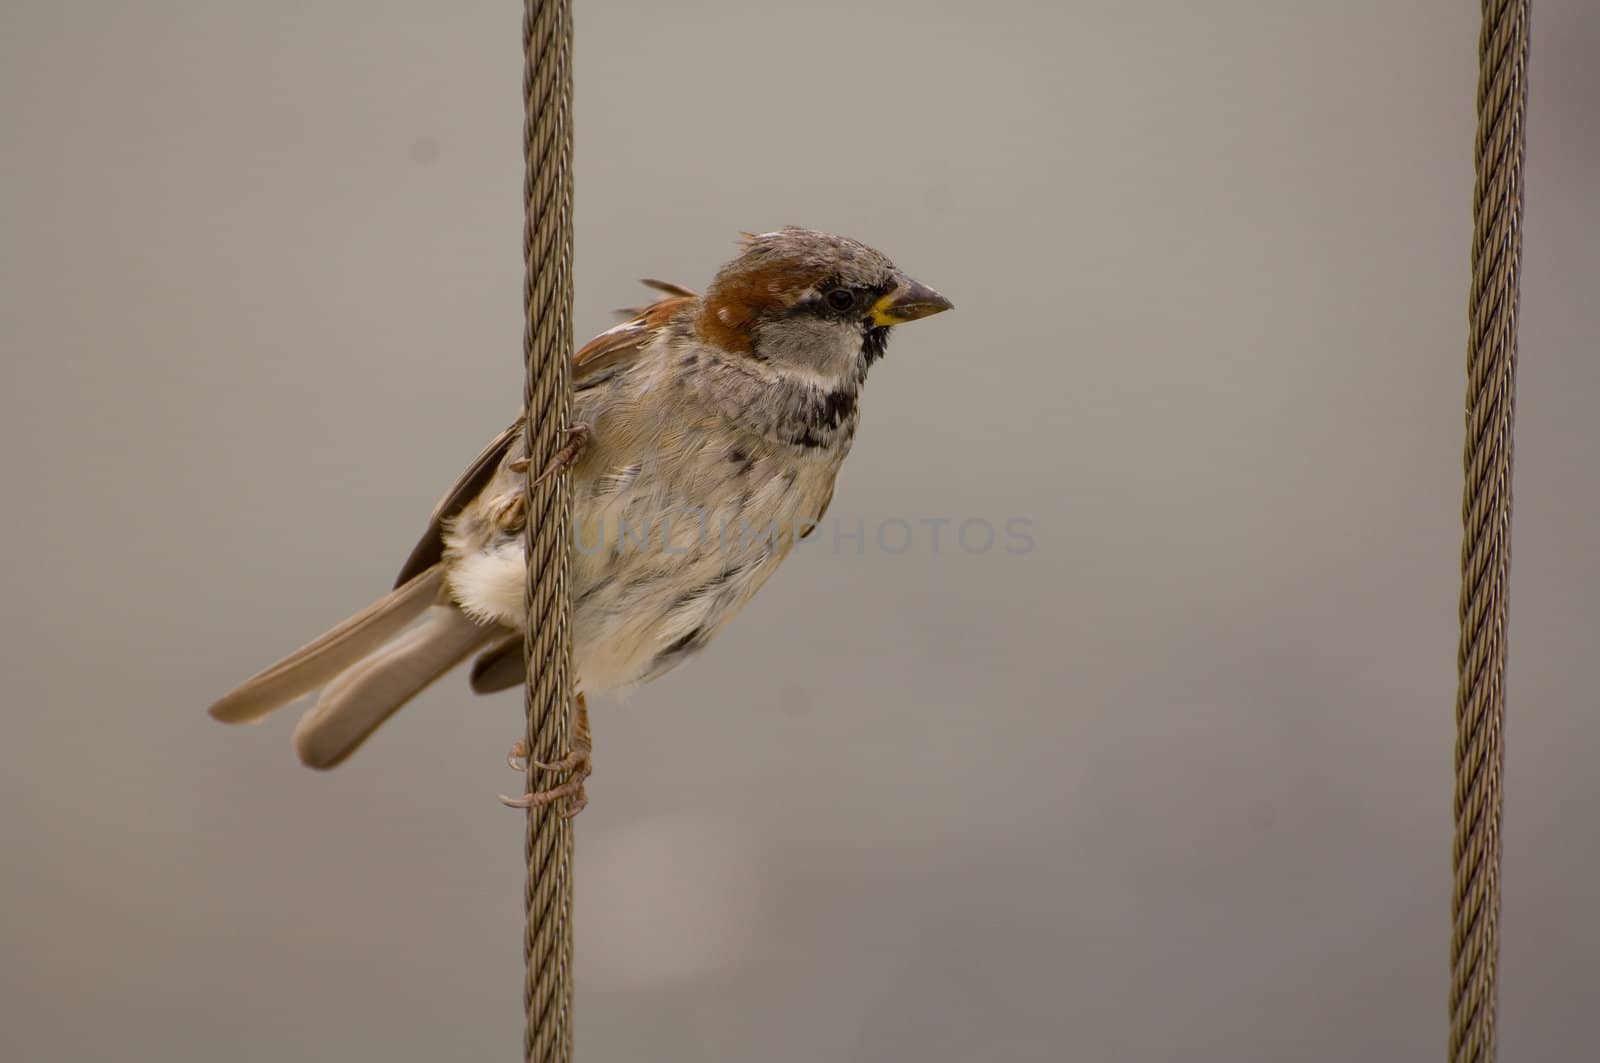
{"type": "Point", "coordinates": [709, 431]}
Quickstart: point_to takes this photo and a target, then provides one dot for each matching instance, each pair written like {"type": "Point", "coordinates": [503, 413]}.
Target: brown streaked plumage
{"type": "Point", "coordinates": [730, 411]}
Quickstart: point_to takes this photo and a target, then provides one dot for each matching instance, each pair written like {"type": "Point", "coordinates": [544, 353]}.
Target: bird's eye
{"type": "Point", "coordinates": [841, 299]}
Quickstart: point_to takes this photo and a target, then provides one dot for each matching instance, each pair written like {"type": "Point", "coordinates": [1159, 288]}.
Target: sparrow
{"type": "Point", "coordinates": [708, 432]}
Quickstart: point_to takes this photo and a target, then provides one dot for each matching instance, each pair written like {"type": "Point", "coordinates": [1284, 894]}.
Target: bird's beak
{"type": "Point", "coordinates": [908, 301]}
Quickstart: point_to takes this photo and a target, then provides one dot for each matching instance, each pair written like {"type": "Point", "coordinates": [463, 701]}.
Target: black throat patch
{"type": "Point", "coordinates": [873, 345]}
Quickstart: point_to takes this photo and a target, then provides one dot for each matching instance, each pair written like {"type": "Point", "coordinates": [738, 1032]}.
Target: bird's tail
{"type": "Point", "coordinates": [366, 671]}
{"type": "Point", "coordinates": [362, 697]}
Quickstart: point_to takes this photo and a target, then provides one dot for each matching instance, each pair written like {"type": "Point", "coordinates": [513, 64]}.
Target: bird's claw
{"type": "Point", "coordinates": [572, 791]}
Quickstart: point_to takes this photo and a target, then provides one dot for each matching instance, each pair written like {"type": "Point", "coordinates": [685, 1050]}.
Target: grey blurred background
{"type": "Point", "coordinates": [1175, 785]}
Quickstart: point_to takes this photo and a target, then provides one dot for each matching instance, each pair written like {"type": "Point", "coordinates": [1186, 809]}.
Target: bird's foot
{"type": "Point", "coordinates": [570, 454]}
{"type": "Point", "coordinates": [577, 765]}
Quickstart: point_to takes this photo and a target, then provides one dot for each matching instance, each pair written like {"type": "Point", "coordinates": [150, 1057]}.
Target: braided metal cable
{"type": "Point", "coordinates": [547, 247]}
{"type": "Point", "coordinates": [1486, 520]}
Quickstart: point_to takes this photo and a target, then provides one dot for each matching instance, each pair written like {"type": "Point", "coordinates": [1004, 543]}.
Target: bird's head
{"type": "Point", "coordinates": [805, 300]}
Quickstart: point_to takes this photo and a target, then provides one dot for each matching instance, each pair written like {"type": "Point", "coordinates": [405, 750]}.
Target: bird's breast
{"type": "Point", "coordinates": [669, 546]}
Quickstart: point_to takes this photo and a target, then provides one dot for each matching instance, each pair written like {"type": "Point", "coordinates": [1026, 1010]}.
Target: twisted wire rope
{"type": "Point", "coordinates": [1486, 521]}
{"type": "Point", "coordinates": [547, 302]}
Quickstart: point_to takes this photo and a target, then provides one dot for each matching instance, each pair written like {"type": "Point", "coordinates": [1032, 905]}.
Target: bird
{"type": "Point", "coordinates": [707, 433]}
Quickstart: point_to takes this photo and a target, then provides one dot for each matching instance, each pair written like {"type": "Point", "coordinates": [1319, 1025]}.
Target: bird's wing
{"type": "Point", "coordinates": [430, 548]}
{"type": "Point", "coordinates": [620, 342]}
{"type": "Point", "coordinates": [593, 363]}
